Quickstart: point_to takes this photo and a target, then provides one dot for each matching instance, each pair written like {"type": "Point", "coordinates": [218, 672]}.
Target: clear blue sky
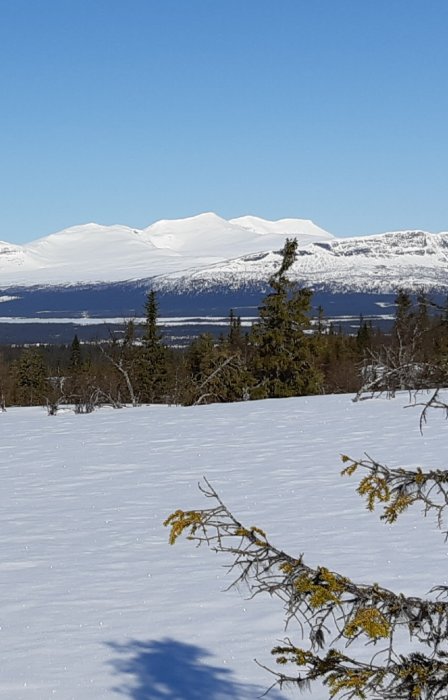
{"type": "Point", "coordinates": [128, 111]}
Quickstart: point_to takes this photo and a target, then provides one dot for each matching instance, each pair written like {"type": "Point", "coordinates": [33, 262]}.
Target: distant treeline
{"type": "Point", "coordinates": [285, 353]}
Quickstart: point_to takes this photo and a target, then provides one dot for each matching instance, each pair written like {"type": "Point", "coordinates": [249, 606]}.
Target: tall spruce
{"type": "Point", "coordinates": [76, 361]}
{"type": "Point", "coordinates": [153, 359]}
{"type": "Point", "coordinates": [283, 361]}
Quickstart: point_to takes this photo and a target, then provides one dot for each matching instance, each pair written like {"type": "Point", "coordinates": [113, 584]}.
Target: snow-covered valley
{"type": "Point", "coordinates": [96, 605]}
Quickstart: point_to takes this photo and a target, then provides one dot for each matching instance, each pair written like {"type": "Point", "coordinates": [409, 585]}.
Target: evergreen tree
{"type": "Point", "coordinates": [152, 361]}
{"type": "Point", "coordinates": [129, 334]}
{"type": "Point", "coordinates": [200, 356]}
{"type": "Point", "coordinates": [31, 377]}
{"type": "Point", "coordinates": [236, 340]}
{"type": "Point", "coordinates": [282, 358]}
{"type": "Point", "coordinates": [217, 372]}
{"type": "Point", "coordinates": [364, 336]}
{"type": "Point", "coordinates": [75, 362]}
{"type": "Point", "coordinates": [320, 325]}
{"type": "Point", "coordinates": [151, 335]}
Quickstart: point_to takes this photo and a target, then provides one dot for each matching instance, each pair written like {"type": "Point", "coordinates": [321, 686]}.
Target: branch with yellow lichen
{"type": "Point", "coordinates": [331, 610]}
{"type": "Point", "coordinates": [400, 488]}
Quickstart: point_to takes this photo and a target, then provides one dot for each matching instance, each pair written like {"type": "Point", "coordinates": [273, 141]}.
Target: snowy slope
{"type": "Point", "coordinates": [206, 251]}
{"type": "Point", "coordinates": [383, 263]}
{"type": "Point", "coordinates": [97, 606]}
{"type": "Point", "coordinates": [209, 233]}
{"type": "Point", "coordinates": [293, 227]}
{"type": "Point", "coordinates": [94, 253]}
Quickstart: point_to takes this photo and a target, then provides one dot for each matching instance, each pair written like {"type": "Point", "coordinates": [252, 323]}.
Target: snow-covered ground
{"type": "Point", "coordinates": [95, 605]}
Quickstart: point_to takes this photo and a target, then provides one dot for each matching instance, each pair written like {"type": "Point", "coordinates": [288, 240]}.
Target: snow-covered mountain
{"type": "Point", "coordinates": [203, 266]}
{"type": "Point", "coordinates": [373, 264]}
{"type": "Point", "coordinates": [93, 253]}
{"type": "Point", "coordinates": [204, 252]}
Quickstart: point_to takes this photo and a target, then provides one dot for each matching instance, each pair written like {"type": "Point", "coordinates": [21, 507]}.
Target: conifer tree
{"type": "Point", "coordinates": [403, 362]}
{"type": "Point", "coordinates": [235, 337]}
{"type": "Point", "coordinates": [282, 357]}
{"type": "Point", "coordinates": [152, 364]}
{"type": "Point", "coordinates": [320, 325]}
{"type": "Point", "coordinates": [31, 377]}
{"type": "Point", "coordinates": [364, 336]}
{"type": "Point", "coordinates": [151, 335]}
{"type": "Point", "coordinates": [217, 372]}
{"type": "Point", "coordinates": [75, 362]}
{"type": "Point", "coordinates": [82, 381]}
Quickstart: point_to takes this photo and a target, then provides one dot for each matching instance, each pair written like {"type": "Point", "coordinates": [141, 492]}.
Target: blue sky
{"type": "Point", "coordinates": [129, 111]}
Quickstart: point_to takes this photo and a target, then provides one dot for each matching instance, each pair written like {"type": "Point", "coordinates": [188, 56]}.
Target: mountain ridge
{"type": "Point", "coordinates": [97, 253]}
{"type": "Point", "coordinates": [207, 253]}
{"type": "Point", "coordinates": [411, 260]}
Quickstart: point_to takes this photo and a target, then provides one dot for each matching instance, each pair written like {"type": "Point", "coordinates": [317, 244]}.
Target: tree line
{"type": "Point", "coordinates": [285, 353]}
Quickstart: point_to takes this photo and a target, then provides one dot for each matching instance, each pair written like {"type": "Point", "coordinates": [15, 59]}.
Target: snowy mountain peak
{"type": "Point", "coordinates": [97, 253]}
{"type": "Point", "coordinates": [206, 250]}
{"type": "Point", "coordinates": [291, 227]}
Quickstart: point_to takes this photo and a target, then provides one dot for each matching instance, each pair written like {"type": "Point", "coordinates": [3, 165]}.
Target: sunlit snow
{"type": "Point", "coordinates": [95, 253]}
{"type": "Point", "coordinates": [96, 605]}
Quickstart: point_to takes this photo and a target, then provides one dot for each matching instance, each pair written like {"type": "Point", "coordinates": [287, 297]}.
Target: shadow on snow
{"type": "Point", "coordinates": [170, 670]}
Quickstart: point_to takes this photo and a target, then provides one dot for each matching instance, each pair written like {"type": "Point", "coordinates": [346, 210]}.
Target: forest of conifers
{"type": "Point", "coordinates": [285, 353]}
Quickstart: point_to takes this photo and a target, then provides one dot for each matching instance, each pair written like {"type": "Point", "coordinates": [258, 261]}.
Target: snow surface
{"type": "Point", "coordinates": [95, 253]}
{"type": "Point", "coordinates": [96, 605]}
{"type": "Point", "coordinates": [292, 227]}
{"type": "Point", "coordinates": [384, 263]}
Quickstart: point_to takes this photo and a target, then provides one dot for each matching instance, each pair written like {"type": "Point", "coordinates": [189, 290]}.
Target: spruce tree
{"type": "Point", "coordinates": [151, 335]}
{"type": "Point", "coordinates": [75, 361]}
{"type": "Point", "coordinates": [31, 377]}
{"type": "Point", "coordinates": [152, 363]}
{"type": "Point", "coordinates": [236, 340]}
{"type": "Point", "coordinates": [364, 336]}
{"type": "Point", "coordinates": [217, 371]}
{"type": "Point", "coordinates": [282, 357]}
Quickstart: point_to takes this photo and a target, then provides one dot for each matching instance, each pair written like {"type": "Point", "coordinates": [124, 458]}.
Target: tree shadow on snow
{"type": "Point", "coordinates": [170, 670]}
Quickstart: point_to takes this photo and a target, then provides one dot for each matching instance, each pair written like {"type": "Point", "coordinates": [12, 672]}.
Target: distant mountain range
{"type": "Point", "coordinates": [206, 250]}
{"type": "Point", "coordinates": [205, 265]}
{"type": "Point", "coordinates": [94, 254]}
{"type": "Point", "coordinates": [411, 260]}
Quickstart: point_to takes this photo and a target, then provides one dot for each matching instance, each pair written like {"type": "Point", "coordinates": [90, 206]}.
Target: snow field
{"type": "Point", "coordinates": [96, 605]}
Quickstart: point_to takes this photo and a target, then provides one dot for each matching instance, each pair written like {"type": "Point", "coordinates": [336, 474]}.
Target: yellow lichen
{"type": "Point", "coordinates": [351, 468]}
{"type": "Point", "coordinates": [292, 654]}
{"type": "Point", "coordinates": [352, 680]}
{"type": "Point", "coordinates": [375, 488]}
{"type": "Point", "coordinates": [398, 505]}
{"type": "Point", "coordinates": [242, 532]}
{"type": "Point", "coordinates": [180, 520]}
{"type": "Point", "coordinates": [370, 621]}
{"type": "Point", "coordinates": [324, 587]}
{"type": "Point", "coordinates": [420, 478]}
{"type": "Point", "coordinates": [251, 534]}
